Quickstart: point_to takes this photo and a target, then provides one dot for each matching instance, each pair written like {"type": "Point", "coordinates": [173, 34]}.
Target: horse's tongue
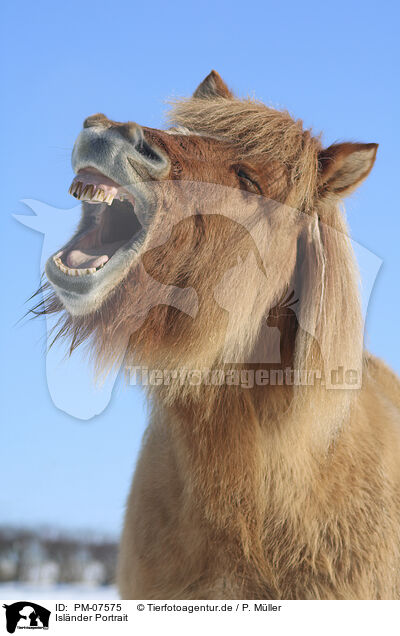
{"type": "Point", "coordinates": [91, 257]}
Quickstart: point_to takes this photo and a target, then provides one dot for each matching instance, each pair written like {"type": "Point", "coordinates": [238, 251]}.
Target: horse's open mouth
{"type": "Point", "coordinates": [106, 244]}
{"type": "Point", "coordinates": [115, 224]}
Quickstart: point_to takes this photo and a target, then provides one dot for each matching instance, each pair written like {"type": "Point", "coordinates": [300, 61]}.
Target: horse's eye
{"type": "Point", "coordinates": [249, 182]}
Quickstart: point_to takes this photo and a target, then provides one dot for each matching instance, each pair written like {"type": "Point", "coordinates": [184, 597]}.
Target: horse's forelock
{"type": "Point", "coordinates": [255, 131]}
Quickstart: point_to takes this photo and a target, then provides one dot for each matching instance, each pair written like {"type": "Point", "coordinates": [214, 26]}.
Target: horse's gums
{"type": "Point", "coordinates": [270, 491]}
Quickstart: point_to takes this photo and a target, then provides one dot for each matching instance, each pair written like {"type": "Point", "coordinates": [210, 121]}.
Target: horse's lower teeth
{"type": "Point", "coordinates": [70, 271]}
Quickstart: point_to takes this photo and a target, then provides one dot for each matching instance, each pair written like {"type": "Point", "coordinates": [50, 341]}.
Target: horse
{"type": "Point", "coordinates": [197, 246]}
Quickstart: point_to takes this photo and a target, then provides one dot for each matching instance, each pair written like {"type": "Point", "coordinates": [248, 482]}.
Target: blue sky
{"type": "Point", "coordinates": [333, 65]}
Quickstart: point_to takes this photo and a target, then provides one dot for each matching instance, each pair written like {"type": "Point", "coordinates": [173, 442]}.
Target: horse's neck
{"type": "Point", "coordinates": [233, 455]}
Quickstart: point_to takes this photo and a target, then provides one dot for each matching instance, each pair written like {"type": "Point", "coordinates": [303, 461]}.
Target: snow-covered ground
{"type": "Point", "coordinates": [78, 591]}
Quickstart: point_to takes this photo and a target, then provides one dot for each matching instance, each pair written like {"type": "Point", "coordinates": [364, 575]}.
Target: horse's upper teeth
{"type": "Point", "coordinates": [91, 194]}
{"type": "Point", "coordinates": [87, 193]}
{"type": "Point", "coordinates": [98, 195]}
{"type": "Point", "coordinates": [76, 189]}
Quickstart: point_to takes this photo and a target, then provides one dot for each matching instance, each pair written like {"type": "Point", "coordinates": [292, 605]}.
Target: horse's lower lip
{"type": "Point", "coordinates": [83, 293]}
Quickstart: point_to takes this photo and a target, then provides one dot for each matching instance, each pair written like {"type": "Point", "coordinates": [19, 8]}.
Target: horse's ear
{"type": "Point", "coordinates": [212, 86]}
{"type": "Point", "coordinates": [342, 167]}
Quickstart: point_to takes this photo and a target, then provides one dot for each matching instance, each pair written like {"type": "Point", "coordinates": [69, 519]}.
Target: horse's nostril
{"type": "Point", "coordinates": [94, 120]}
{"type": "Point", "coordinates": [148, 152]}
{"type": "Point", "coordinates": [133, 132]}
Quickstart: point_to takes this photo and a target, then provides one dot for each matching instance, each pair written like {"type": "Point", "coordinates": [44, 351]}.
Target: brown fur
{"type": "Point", "coordinates": [274, 491]}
